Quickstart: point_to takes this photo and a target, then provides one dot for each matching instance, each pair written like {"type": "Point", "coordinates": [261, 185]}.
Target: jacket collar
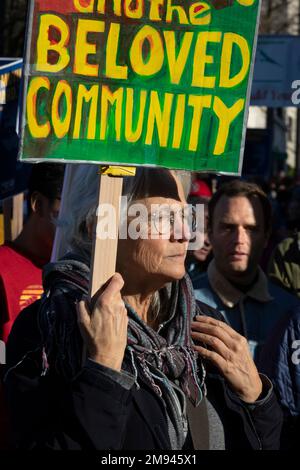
{"type": "Point", "coordinates": [230, 295]}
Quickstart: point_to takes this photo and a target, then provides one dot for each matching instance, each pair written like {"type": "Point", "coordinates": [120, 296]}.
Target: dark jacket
{"type": "Point", "coordinates": [280, 360]}
{"type": "Point", "coordinates": [95, 412]}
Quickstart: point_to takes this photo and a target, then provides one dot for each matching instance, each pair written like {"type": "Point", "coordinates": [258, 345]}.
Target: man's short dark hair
{"type": "Point", "coordinates": [239, 188]}
{"type": "Point", "coordinates": [46, 178]}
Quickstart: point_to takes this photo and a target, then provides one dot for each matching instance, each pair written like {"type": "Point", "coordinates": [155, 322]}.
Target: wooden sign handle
{"type": "Point", "coordinates": [13, 216]}
{"type": "Point", "coordinates": [104, 254]}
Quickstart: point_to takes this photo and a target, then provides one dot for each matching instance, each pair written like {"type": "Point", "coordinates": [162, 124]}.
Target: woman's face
{"type": "Point", "coordinates": [157, 258]}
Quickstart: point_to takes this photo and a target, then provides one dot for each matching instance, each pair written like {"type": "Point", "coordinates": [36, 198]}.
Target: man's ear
{"type": "Point", "coordinates": [36, 203]}
{"type": "Point", "coordinates": [267, 237]}
{"type": "Point", "coordinates": [209, 232]}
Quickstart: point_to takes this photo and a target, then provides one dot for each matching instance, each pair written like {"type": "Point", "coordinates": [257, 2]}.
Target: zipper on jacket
{"type": "Point", "coordinates": [253, 427]}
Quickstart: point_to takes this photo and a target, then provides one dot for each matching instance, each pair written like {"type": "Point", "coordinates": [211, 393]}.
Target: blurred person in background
{"type": "Point", "coordinates": [284, 266]}
{"type": "Point", "coordinates": [22, 260]}
{"type": "Point", "coordinates": [240, 217]}
{"type": "Point", "coordinates": [198, 260]}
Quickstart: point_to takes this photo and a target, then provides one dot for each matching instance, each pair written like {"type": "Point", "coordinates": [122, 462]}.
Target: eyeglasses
{"type": "Point", "coordinates": [166, 220]}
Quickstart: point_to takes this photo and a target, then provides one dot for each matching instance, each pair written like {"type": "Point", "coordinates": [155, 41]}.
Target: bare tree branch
{"type": "Point", "coordinates": [280, 17]}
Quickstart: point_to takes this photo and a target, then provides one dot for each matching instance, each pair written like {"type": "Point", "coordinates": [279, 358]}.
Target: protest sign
{"type": "Point", "coordinates": [145, 82]}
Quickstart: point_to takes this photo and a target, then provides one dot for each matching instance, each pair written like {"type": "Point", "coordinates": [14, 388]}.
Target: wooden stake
{"type": "Point", "coordinates": [13, 216]}
{"type": "Point", "coordinates": [104, 255]}
{"type": "Point", "coordinates": [7, 216]}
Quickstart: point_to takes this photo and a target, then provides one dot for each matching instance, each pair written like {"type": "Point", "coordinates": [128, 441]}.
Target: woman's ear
{"type": "Point", "coordinates": [267, 237]}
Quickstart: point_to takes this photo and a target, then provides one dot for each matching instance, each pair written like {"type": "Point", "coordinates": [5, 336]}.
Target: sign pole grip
{"type": "Point", "coordinates": [104, 253]}
{"type": "Point", "coordinates": [13, 216]}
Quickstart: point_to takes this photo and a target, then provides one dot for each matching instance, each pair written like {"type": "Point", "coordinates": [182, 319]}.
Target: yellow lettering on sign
{"type": "Point", "coordinates": [136, 12]}
{"type": "Point", "coordinates": [155, 58]}
{"type": "Point", "coordinates": [179, 121]}
{"type": "Point", "coordinates": [171, 9]}
{"type": "Point", "coordinates": [84, 9]}
{"type": "Point", "coordinates": [100, 6]}
{"type": "Point", "coordinates": [61, 125]}
{"type": "Point", "coordinates": [112, 69]}
{"type": "Point", "coordinates": [159, 117]}
{"type": "Point", "coordinates": [198, 103]}
{"type": "Point", "coordinates": [201, 59]}
{"type": "Point", "coordinates": [83, 48]}
{"type": "Point", "coordinates": [44, 45]}
{"type": "Point", "coordinates": [117, 7]}
{"type": "Point", "coordinates": [154, 14]}
{"type": "Point", "coordinates": [231, 39]}
{"type": "Point", "coordinates": [130, 134]}
{"type": "Point", "coordinates": [37, 130]}
{"type": "Point", "coordinates": [87, 96]}
{"type": "Point", "coordinates": [246, 3]}
{"type": "Point", "coordinates": [177, 64]}
{"type": "Point", "coordinates": [112, 98]}
{"type": "Point", "coordinates": [226, 116]}
{"type": "Point", "coordinates": [202, 20]}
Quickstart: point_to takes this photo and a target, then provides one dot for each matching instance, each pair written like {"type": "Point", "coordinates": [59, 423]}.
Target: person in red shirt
{"type": "Point", "coordinates": [21, 261]}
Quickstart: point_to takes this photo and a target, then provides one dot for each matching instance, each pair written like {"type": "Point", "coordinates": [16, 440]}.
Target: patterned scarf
{"type": "Point", "coordinates": [169, 349]}
{"type": "Point", "coordinates": [161, 359]}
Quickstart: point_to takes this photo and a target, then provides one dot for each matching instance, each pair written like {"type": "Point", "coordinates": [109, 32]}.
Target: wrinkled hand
{"type": "Point", "coordinates": [104, 327]}
{"type": "Point", "coordinates": [230, 353]}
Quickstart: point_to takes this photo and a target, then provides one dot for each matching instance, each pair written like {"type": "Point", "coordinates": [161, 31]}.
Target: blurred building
{"type": "Point", "coordinates": [12, 27]}
{"type": "Point", "coordinates": [275, 130]}
{"type": "Point", "coordinates": [278, 17]}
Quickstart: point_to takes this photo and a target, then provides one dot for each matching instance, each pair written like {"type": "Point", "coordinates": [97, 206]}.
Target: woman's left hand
{"type": "Point", "coordinates": [230, 353]}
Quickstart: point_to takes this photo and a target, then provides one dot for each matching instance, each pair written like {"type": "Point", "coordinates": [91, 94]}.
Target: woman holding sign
{"type": "Point", "coordinates": [126, 371]}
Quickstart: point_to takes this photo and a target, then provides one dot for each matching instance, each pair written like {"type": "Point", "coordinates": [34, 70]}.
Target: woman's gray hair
{"type": "Point", "coordinates": [80, 201]}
